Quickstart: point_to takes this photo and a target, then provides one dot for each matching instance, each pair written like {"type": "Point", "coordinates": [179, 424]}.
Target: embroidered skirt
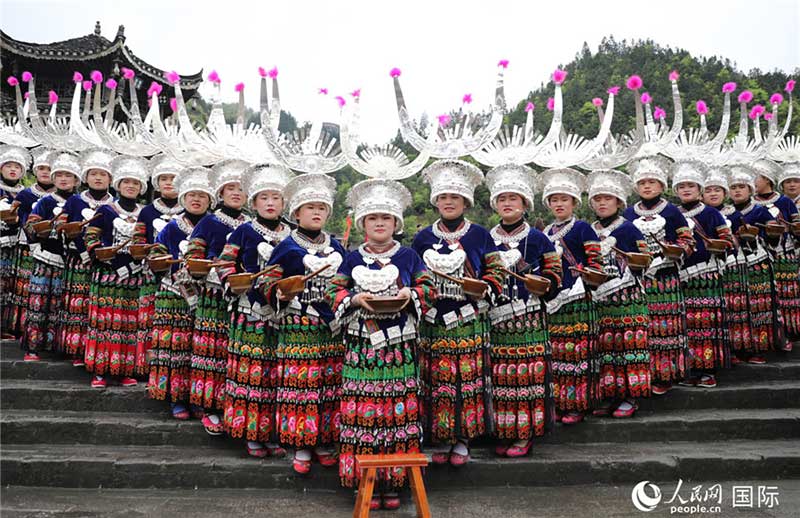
{"type": "Point", "coordinates": [147, 308]}
{"type": "Point", "coordinates": [705, 322]}
{"type": "Point", "coordinates": [309, 382]}
{"type": "Point", "coordinates": [787, 288]}
{"type": "Point", "coordinates": [209, 349]}
{"type": "Point", "coordinates": [623, 358]}
{"type": "Point", "coordinates": [43, 308]}
{"type": "Point", "coordinates": [765, 321]}
{"type": "Point", "coordinates": [8, 278]}
{"type": "Point", "coordinates": [453, 380]}
{"type": "Point", "coordinates": [573, 337]}
{"type": "Point", "coordinates": [75, 308]}
{"type": "Point", "coordinates": [379, 407]}
{"type": "Point", "coordinates": [23, 268]}
{"type": "Point", "coordinates": [251, 379]}
{"type": "Point", "coordinates": [522, 377]}
{"type": "Point", "coordinates": [737, 312]}
{"type": "Point", "coordinates": [171, 353]}
{"type": "Point", "coordinates": [666, 335]}
{"type": "Point", "coordinates": [113, 326]}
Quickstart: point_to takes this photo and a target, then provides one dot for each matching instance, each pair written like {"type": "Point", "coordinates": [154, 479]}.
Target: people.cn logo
{"type": "Point", "coordinates": [641, 500]}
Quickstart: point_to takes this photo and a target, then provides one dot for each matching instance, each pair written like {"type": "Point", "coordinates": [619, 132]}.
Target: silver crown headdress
{"type": "Point", "coordinates": [717, 176]}
{"type": "Point", "coordinates": [649, 167]}
{"type": "Point", "coordinates": [130, 168]}
{"type": "Point", "coordinates": [42, 156]}
{"type": "Point", "coordinates": [511, 178]}
{"type": "Point", "coordinates": [688, 170]}
{"type": "Point", "coordinates": [768, 169]}
{"type": "Point", "coordinates": [65, 161]}
{"type": "Point", "coordinates": [742, 174]}
{"type": "Point", "coordinates": [96, 158]}
{"type": "Point", "coordinates": [265, 177]}
{"type": "Point", "coordinates": [610, 182]}
{"type": "Point", "coordinates": [378, 196]}
{"type": "Point", "coordinates": [789, 171]}
{"type": "Point", "coordinates": [17, 154]}
{"type": "Point", "coordinates": [227, 171]}
{"type": "Point", "coordinates": [164, 164]}
{"type": "Point", "coordinates": [466, 136]}
{"type": "Point", "coordinates": [454, 177]}
{"type": "Point", "coordinates": [309, 188]}
{"type": "Point", "coordinates": [562, 181]}
{"type": "Point", "coordinates": [195, 178]}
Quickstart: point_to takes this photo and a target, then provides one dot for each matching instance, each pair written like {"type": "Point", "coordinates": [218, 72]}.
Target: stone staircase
{"type": "Point", "coordinates": [57, 431]}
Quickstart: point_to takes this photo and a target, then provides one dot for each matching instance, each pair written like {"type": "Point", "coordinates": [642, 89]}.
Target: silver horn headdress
{"type": "Point", "coordinates": [466, 136]}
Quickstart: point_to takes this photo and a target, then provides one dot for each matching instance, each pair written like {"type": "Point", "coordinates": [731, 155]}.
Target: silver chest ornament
{"type": "Point", "coordinates": [87, 213]}
{"type": "Point", "coordinates": [183, 246]}
{"type": "Point", "coordinates": [264, 253]}
{"type": "Point", "coordinates": [609, 255]}
{"type": "Point", "coordinates": [381, 281]}
{"type": "Point", "coordinates": [510, 258]}
{"type": "Point", "coordinates": [315, 288]}
{"type": "Point", "coordinates": [775, 211]}
{"type": "Point", "coordinates": [452, 264]}
{"type": "Point", "coordinates": [123, 229]}
{"type": "Point", "coordinates": [650, 226]}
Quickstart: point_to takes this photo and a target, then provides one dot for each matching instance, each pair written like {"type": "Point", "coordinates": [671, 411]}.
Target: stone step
{"type": "Point", "coordinates": [74, 427]}
{"type": "Point", "coordinates": [78, 395]}
{"type": "Point", "coordinates": [163, 467]}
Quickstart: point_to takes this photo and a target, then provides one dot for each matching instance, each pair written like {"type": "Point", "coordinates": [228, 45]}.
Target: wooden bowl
{"type": "Point", "coordinates": [474, 287]}
{"type": "Point", "coordinates": [240, 282]}
{"type": "Point", "coordinates": [43, 228]}
{"type": "Point", "coordinates": [71, 229]}
{"type": "Point", "coordinates": [774, 229]}
{"type": "Point", "coordinates": [717, 246]}
{"type": "Point", "coordinates": [593, 277]}
{"type": "Point", "coordinates": [8, 216]}
{"type": "Point", "coordinates": [161, 263]}
{"type": "Point", "coordinates": [638, 260]}
{"type": "Point", "coordinates": [671, 251]}
{"type": "Point", "coordinates": [291, 286]}
{"type": "Point", "coordinates": [748, 232]}
{"type": "Point", "coordinates": [199, 267]}
{"type": "Point", "coordinates": [105, 253]}
{"type": "Point", "coordinates": [388, 304]}
{"type": "Point", "coordinates": [139, 251]}
{"type": "Point", "coordinates": [537, 284]}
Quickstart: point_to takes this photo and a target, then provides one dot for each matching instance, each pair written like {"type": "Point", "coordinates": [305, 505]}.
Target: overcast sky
{"type": "Point", "coordinates": [445, 49]}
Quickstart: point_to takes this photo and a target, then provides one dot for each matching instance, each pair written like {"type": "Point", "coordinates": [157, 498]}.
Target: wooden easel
{"type": "Point", "coordinates": [368, 466]}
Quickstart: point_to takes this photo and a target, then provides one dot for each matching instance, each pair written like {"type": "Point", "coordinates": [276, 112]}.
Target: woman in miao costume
{"type": "Point", "coordinates": [734, 275]}
{"type": "Point", "coordinates": [454, 335]}
{"type": "Point", "coordinates": [789, 181]}
{"type": "Point", "coordinates": [252, 373]}
{"type": "Point", "coordinates": [309, 356]}
{"type": "Point", "coordinates": [520, 347]}
{"type": "Point", "coordinates": [23, 262]}
{"type": "Point", "coordinates": [765, 324]}
{"type": "Point", "coordinates": [785, 263]}
{"type": "Point", "coordinates": [623, 357]}
{"type": "Point", "coordinates": [701, 276]}
{"type": "Point", "coordinates": [212, 320]}
{"type": "Point", "coordinates": [96, 175]}
{"type": "Point", "coordinates": [572, 317]}
{"type": "Point", "coordinates": [661, 223]}
{"type": "Point", "coordinates": [45, 291]}
{"type": "Point", "coordinates": [152, 220]}
{"type": "Point", "coordinates": [176, 298]}
{"type": "Point", "coordinates": [379, 406]}
{"type": "Point", "coordinates": [114, 290]}
{"type": "Point", "coordinates": [14, 163]}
